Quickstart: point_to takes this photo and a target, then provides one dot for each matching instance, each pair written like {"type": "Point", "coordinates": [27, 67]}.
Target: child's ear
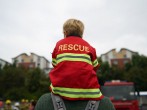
{"type": "Point", "coordinates": [65, 33]}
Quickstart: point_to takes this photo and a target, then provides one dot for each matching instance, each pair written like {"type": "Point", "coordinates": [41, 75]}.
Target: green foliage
{"type": "Point", "coordinates": [136, 71]}
{"type": "Point", "coordinates": [103, 73]}
{"type": "Point", "coordinates": [17, 83]}
{"type": "Point", "coordinates": [139, 61]}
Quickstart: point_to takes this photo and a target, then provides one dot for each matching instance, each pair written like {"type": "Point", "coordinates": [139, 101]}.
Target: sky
{"type": "Point", "coordinates": [34, 26]}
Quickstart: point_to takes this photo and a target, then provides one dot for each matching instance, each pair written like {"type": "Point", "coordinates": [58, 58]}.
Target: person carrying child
{"type": "Point", "coordinates": [73, 77]}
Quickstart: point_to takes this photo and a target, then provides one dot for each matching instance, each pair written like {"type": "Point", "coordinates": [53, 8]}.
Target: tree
{"type": "Point", "coordinates": [136, 72]}
{"type": "Point", "coordinates": [11, 78]}
{"type": "Point", "coordinates": [103, 72]}
{"type": "Point", "coordinates": [17, 83]}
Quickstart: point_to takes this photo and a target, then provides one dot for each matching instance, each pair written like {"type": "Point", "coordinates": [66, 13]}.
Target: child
{"type": "Point", "coordinates": [75, 64]}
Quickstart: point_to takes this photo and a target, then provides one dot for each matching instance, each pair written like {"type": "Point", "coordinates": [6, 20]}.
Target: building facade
{"type": "Point", "coordinates": [31, 61]}
{"type": "Point", "coordinates": [3, 63]}
{"type": "Point", "coordinates": [118, 58]}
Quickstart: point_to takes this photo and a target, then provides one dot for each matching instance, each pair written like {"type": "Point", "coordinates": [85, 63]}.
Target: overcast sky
{"type": "Point", "coordinates": [36, 25]}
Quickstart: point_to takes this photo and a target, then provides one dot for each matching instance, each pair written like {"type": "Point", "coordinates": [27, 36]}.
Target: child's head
{"type": "Point", "coordinates": [73, 27]}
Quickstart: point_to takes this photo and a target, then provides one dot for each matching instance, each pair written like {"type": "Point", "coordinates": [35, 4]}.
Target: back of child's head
{"type": "Point", "coordinates": [73, 27]}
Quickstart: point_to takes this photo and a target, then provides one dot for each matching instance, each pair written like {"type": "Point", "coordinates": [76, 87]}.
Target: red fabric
{"type": "Point", "coordinates": [73, 99]}
{"type": "Point", "coordinates": [67, 98]}
{"type": "Point", "coordinates": [74, 74]}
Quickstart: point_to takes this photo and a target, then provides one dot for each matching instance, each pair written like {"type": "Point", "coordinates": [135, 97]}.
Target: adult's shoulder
{"type": "Point", "coordinates": [45, 97]}
{"type": "Point", "coordinates": [44, 102]}
{"type": "Point", "coordinates": [106, 104]}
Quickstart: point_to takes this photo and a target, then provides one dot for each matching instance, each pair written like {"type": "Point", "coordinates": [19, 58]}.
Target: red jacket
{"type": "Point", "coordinates": [74, 74]}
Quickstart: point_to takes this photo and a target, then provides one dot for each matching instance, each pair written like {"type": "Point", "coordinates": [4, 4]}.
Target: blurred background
{"type": "Point", "coordinates": [29, 30]}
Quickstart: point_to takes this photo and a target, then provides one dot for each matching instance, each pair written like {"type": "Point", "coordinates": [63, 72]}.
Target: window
{"type": "Point", "coordinates": [30, 66]}
{"type": "Point", "coordinates": [15, 61]}
{"type": "Point", "coordinates": [115, 62]}
{"type": "Point", "coordinates": [31, 60]}
{"type": "Point", "coordinates": [106, 57]}
{"type": "Point", "coordinates": [38, 59]}
{"type": "Point", "coordinates": [125, 56]}
{"type": "Point", "coordinates": [22, 60]}
{"type": "Point", "coordinates": [38, 65]}
{"type": "Point", "coordinates": [126, 61]}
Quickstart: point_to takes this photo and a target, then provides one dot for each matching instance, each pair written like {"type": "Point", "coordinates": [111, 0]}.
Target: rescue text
{"type": "Point", "coordinates": [75, 47]}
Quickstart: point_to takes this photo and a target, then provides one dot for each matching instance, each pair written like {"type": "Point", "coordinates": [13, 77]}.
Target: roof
{"type": "Point", "coordinates": [20, 55]}
{"type": "Point", "coordinates": [4, 61]}
{"type": "Point", "coordinates": [40, 56]}
{"type": "Point", "coordinates": [108, 51]}
{"type": "Point", "coordinates": [118, 83]}
{"type": "Point", "coordinates": [28, 55]}
{"type": "Point", "coordinates": [128, 50]}
{"type": "Point", "coordinates": [120, 51]}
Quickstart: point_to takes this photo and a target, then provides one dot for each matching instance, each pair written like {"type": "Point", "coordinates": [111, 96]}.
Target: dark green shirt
{"type": "Point", "coordinates": [45, 103]}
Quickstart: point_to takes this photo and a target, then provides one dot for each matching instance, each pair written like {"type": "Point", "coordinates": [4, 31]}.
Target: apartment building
{"type": "Point", "coordinates": [31, 61]}
{"type": "Point", "coordinates": [3, 63]}
{"type": "Point", "coordinates": [118, 58]}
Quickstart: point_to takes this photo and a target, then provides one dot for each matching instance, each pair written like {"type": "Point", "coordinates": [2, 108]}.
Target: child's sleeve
{"type": "Point", "coordinates": [54, 62]}
{"type": "Point", "coordinates": [94, 60]}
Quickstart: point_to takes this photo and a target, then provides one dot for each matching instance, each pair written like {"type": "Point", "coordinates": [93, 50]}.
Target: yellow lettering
{"type": "Point", "coordinates": [65, 47]}
{"type": "Point", "coordinates": [60, 48]}
{"type": "Point", "coordinates": [86, 49]}
{"type": "Point", "coordinates": [70, 47]}
{"type": "Point", "coordinates": [81, 48]}
{"type": "Point", "coordinates": [76, 47]}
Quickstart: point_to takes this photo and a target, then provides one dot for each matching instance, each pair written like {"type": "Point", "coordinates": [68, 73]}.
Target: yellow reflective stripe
{"type": "Point", "coordinates": [75, 89]}
{"type": "Point", "coordinates": [95, 63]}
{"type": "Point", "coordinates": [74, 57]}
{"type": "Point", "coordinates": [54, 62]}
{"type": "Point", "coordinates": [77, 93]}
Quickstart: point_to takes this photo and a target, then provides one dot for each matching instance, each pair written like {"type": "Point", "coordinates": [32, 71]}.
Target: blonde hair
{"type": "Point", "coordinates": [73, 27]}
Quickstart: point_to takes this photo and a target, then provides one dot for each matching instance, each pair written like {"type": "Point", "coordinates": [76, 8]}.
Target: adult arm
{"type": "Point", "coordinates": [44, 103]}
{"type": "Point", "coordinates": [106, 104]}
